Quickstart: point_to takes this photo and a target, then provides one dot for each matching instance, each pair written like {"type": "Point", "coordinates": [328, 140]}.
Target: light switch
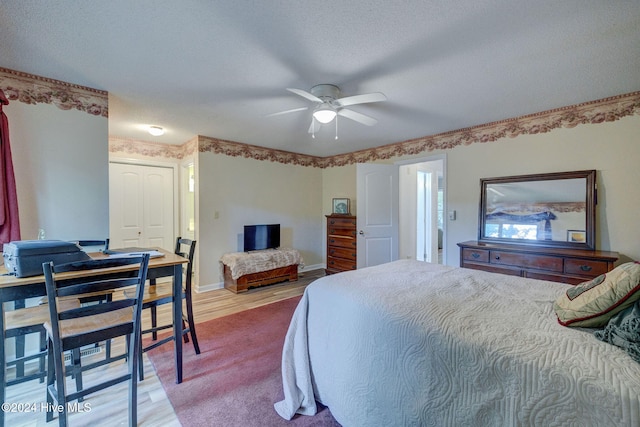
{"type": "Point", "coordinates": [452, 215]}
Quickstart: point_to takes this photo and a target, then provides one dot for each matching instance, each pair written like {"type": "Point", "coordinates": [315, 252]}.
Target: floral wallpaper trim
{"type": "Point", "coordinates": [32, 89]}
{"type": "Point", "coordinates": [237, 149]}
{"type": "Point", "coordinates": [152, 149]}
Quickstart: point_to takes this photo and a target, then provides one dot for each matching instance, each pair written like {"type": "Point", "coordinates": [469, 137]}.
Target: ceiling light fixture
{"type": "Point", "coordinates": [156, 130]}
{"type": "Point", "coordinates": [324, 113]}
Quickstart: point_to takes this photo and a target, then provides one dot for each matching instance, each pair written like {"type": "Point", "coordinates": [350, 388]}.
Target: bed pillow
{"type": "Point", "coordinates": [591, 304]}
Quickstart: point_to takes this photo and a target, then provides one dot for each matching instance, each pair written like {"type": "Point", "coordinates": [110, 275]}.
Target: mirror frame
{"type": "Point", "coordinates": [590, 210]}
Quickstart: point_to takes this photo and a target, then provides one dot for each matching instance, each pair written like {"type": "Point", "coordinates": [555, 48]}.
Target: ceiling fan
{"type": "Point", "coordinates": [330, 104]}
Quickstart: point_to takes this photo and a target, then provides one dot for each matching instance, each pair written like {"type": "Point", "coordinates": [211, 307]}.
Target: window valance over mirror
{"type": "Point", "coordinates": [553, 209]}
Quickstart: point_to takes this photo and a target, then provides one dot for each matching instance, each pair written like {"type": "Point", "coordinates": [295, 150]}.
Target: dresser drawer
{"type": "Point", "coordinates": [585, 267]}
{"type": "Point", "coordinates": [538, 262]}
{"type": "Point", "coordinates": [344, 253]}
{"type": "Point", "coordinates": [478, 255]}
{"type": "Point", "coordinates": [340, 264]}
{"type": "Point", "coordinates": [334, 231]}
{"type": "Point", "coordinates": [343, 242]}
{"type": "Point", "coordinates": [342, 222]}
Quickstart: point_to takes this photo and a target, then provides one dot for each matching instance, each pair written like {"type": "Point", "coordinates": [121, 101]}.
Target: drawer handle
{"type": "Point", "coordinates": [332, 262]}
{"type": "Point", "coordinates": [475, 255]}
{"type": "Point", "coordinates": [332, 222]}
{"type": "Point", "coordinates": [332, 240]}
{"type": "Point", "coordinates": [497, 256]}
{"type": "Point", "coordinates": [585, 267]}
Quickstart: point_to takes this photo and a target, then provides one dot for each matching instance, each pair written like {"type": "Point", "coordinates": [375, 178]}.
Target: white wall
{"type": "Point", "coordinates": [235, 191]}
{"type": "Point", "coordinates": [61, 165]}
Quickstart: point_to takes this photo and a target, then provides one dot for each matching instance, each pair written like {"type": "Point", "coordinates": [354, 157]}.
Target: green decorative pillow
{"type": "Point", "coordinates": [591, 304]}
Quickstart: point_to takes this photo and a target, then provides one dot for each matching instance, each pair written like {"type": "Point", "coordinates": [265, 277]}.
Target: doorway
{"type": "Point", "coordinates": [422, 210]}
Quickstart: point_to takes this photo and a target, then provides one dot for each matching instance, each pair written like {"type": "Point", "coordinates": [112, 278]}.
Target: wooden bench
{"type": "Point", "coordinates": [259, 268]}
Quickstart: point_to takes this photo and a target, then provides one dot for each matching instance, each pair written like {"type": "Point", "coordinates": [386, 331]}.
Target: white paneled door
{"type": "Point", "coordinates": [377, 214]}
{"type": "Point", "coordinates": [141, 206]}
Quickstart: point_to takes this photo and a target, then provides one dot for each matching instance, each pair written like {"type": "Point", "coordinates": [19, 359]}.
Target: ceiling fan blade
{"type": "Point", "coordinates": [358, 117]}
{"type": "Point", "coordinates": [305, 94]}
{"type": "Point", "coordinates": [287, 111]}
{"type": "Point", "coordinates": [362, 99]}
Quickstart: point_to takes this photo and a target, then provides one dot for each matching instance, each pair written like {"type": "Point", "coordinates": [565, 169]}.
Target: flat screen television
{"type": "Point", "coordinates": [259, 237]}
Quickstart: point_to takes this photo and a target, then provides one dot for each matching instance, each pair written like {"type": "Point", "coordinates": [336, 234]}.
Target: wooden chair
{"type": "Point", "coordinates": [157, 295]}
{"type": "Point", "coordinates": [71, 329]}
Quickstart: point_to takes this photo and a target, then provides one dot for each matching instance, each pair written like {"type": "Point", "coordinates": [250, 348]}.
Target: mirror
{"type": "Point", "coordinates": [553, 209]}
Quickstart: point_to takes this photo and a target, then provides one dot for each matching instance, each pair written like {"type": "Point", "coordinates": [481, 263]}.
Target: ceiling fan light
{"type": "Point", "coordinates": [156, 130]}
{"type": "Point", "coordinates": [324, 114]}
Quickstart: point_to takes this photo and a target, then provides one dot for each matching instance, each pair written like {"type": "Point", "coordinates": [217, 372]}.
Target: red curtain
{"type": "Point", "coordinates": [9, 221]}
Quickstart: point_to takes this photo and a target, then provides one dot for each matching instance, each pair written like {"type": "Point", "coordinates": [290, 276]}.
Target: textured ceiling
{"type": "Point", "coordinates": [217, 68]}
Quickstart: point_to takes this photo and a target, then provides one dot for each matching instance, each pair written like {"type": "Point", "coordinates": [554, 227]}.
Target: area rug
{"type": "Point", "coordinates": [236, 379]}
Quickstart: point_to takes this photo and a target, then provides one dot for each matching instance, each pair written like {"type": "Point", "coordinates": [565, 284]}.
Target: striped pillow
{"type": "Point", "coordinates": [591, 304]}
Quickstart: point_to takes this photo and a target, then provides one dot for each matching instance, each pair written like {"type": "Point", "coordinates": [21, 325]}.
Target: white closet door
{"type": "Point", "coordinates": [141, 206]}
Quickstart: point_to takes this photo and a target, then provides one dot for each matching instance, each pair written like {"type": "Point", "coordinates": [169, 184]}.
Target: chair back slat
{"type": "Point", "coordinates": [95, 286]}
{"type": "Point", "coordinates": [76, 341]}
{"type": "Point", "coordinates": [96, 264]}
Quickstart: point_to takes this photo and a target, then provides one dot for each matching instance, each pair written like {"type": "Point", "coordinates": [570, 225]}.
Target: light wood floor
{"type": "Point", "coordinates": [109, 407]}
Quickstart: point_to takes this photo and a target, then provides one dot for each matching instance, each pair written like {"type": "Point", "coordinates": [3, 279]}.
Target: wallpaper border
{"type": "Point", "coordinates": [32, 89]}
{"type": "Point", "coordinates": [238, 149]}
{"type": "Point", "coordinates": [152, 149]}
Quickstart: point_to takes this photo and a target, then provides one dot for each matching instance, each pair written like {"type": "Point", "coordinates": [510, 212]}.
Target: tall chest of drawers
{"type": "Point", "coordinates": [571, 266]}
{"type": "Point", "coordinates": [341, 243]}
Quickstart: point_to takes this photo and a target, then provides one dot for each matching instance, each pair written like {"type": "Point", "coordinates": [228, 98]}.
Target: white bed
{"type": "Point", "coordinates": [412, 344]}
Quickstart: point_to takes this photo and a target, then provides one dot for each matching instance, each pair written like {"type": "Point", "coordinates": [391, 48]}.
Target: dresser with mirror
{"type": "Point", "coordinates": [540, 226]}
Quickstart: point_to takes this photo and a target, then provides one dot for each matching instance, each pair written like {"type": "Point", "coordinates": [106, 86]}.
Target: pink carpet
{"type": "Point", "coordinates": [236, 378]}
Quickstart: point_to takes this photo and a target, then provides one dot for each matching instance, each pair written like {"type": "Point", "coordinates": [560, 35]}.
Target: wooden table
{"type": "Point", "coordinates": [13, 288]}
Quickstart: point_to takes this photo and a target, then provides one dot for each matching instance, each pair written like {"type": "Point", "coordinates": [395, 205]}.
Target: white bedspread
{"type": "Point", "coordinates": [417, 344]}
